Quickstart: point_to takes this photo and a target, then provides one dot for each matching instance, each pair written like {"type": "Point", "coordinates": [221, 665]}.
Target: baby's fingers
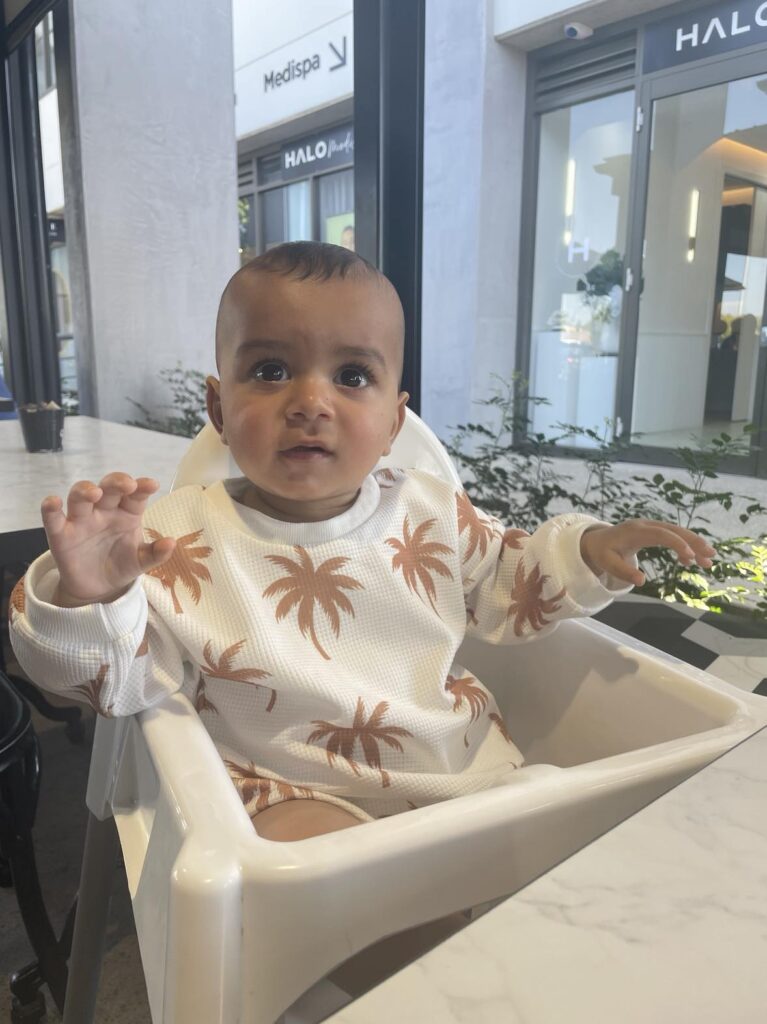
{"type": "Point", "coordinates": [81, 499]}
{"type": "Point", "coordinates": [135, 503]}
{"type": "Point", "coordinates": [52, 512]}
{"type": "Point", "coordinates": [114, 488]}
{"type": "Point", "coordinates": [651, 535]}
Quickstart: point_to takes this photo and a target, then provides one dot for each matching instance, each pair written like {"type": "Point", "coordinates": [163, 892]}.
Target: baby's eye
{"type": "Point", "coordinates": [271, 372]}
{"type": "Point", "coordinates": [355, 377]}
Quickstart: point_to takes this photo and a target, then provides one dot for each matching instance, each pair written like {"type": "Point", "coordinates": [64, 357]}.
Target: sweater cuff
{"type": "Point", "coordinates": [91, 623]}
{"type": "Point", "coordinates": [584, 588]}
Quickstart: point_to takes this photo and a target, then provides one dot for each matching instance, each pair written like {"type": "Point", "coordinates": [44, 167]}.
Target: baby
{"type": "Point", "coordinates": [312, 608]}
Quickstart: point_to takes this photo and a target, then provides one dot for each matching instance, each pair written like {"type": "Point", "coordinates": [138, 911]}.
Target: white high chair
{"type": "Point", "coordinates": [233, 927]}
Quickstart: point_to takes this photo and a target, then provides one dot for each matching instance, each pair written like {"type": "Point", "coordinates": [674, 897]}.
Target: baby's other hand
{"type": "Point", "coordinates": [611, 548]}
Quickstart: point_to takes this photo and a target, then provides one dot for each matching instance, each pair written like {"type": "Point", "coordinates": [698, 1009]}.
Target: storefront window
{"type": "Point", "coordinates": [50, 141]}
{"type": "Point", "coordinates": [336, 197]}
{"type": "Point", "coordinates": [705, 264]}
{"type": "Point", "coordinates": [304, 191]}
{"type": "Point", "coordinates": [286, 214]}
{"type": "Point", "coordinates": [581, 223]}
{"type": "Point", "coordinates": [246, 209]}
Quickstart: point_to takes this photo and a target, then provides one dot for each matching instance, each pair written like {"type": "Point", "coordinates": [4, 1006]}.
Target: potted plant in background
{"type": "Point", "coordinates": [601, 288]}
{"type": "Point", "coordinates": [42, 424]}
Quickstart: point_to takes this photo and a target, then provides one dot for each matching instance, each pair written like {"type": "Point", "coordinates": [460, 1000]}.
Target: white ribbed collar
{"type": "Point", "coordinates": [224, 496]}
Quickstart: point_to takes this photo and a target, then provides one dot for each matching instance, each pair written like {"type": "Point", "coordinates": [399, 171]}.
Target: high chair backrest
{"type": "Point", "coordinates": [415, 447]}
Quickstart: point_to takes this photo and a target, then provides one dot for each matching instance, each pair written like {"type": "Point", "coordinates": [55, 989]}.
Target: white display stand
{"type": "Point", "coordinates": [578, 380]}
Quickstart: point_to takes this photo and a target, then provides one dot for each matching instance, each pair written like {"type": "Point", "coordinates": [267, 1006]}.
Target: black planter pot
{"type": "Point", "coordinates": [42, 428]}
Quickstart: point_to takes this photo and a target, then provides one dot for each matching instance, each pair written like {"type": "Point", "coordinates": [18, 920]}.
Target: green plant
{"type": "Point", "coordinates": [188, 390]}
{"type": "Point", "coordinates": [603, 276]}
{"type": "Point", "coordinates": [510, 473]}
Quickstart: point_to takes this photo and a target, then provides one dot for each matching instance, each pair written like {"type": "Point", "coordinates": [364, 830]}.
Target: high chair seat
{"type": "Point", "coordinates": [233, 927]}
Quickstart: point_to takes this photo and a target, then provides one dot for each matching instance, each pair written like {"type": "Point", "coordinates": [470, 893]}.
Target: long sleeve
{"type": "Point", "coordinates": [518, 586]}
{"type": "Point", "coordinates": [120, 658]}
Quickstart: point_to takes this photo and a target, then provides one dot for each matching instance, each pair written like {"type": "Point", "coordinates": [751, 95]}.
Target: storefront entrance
{"type": "Point", "coordinates": [648, 279]}
{"type": "Point", "coordinates": [699, 363]}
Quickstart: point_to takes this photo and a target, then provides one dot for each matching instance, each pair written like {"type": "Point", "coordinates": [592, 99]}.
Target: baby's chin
{"type": "Point", "coordinates": [263, 496]}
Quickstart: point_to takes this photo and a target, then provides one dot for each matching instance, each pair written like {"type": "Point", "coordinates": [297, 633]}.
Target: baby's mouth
{"type": "Point", "coordinates": [303, 452]}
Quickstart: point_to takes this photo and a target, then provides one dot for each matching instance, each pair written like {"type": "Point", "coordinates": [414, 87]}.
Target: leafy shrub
{"type": "Point", "coordinates": [188, 390]}
{"type": "Point", "coordinates": [510, 472]}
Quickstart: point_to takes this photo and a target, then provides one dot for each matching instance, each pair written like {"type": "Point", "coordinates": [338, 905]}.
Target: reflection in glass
{"type": "Point", "coordinates": [286, 214]}
{"type": "Point", "coordinates": [705, 264]}
{"type": "Point", "coordinates": [336, 196]}
{"type": "Point", "coordinates": [246, 210]}
{"type": "Point", "coordinates": [583, 178]}
{"type": "Point", "coordinates": [53, 181]}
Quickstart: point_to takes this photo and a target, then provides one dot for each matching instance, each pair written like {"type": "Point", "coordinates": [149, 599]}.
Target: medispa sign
{"type": "Point", "coordinates": [706, 32]}
{"type": "Point", "coordinates": [319, 152]}
{"type": "Point", "coordinates": [312, 70]}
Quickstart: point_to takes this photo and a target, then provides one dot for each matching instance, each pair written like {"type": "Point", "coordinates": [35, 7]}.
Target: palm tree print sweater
{"type": "Point", "coordinates": [321, 656]}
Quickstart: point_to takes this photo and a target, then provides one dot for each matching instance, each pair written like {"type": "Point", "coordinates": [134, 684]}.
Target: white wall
{"type": "Point", "coordinates": [155, 126]}
{"type": "Point", "coordinates": [268, 37]}
{"type": "Point", "coordinates": [530, 25]}
{"type": "Point", "coordinates": [473, 144]}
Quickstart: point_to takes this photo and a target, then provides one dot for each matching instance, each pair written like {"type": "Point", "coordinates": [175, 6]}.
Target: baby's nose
{"type": "Point", "coordinates": [309, 397]}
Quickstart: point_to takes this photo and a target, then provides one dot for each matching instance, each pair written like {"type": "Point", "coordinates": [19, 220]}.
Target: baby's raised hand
{"type": "Point", "coordinates": [98, 543]}
{"type": "Point", "coordinates": [610, 548]}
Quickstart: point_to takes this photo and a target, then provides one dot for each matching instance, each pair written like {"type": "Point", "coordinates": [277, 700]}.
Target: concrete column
{"type": "Point", "coordinates": [473, 144]}
{"type": "Point", "coordinates": [150, 160]}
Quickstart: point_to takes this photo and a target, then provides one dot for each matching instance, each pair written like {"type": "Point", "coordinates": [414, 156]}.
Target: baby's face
{"type": "Point", "coordinates": [308, 399]}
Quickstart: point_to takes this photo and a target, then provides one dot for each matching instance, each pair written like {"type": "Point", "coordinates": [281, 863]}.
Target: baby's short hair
{"type": "Point", "coordinates": [316, 260]}
{"type": "Point", "coordinates": [303, 261]}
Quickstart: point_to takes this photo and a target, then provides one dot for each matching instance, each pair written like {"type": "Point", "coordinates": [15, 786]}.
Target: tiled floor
{"type": "Point", "coordinates": [732, 648]}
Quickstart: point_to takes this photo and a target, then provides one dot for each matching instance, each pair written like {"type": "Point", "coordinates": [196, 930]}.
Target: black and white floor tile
{"type": "Point", "coordinates": [730, 645]}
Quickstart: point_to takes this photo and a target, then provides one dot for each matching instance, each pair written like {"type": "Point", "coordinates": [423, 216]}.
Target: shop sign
{"type": "Point", "coordinates": [319, 152]}
{"type": "Point", "coordinates": [312, 69]}
{"type": "Point", "coordinates": [706, 32]}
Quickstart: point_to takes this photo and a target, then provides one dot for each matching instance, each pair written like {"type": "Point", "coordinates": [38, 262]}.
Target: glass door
{"type": "Point", "coordinates": [580, 244]}
{"type": "Point", "coordinates": [701, 332]}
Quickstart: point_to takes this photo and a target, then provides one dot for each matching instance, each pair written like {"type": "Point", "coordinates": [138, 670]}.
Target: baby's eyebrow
{"type": "Point", "coordinates": [273, 347]}
{"type": "Point", "coordinates": [360, 352]}
{"type": "Point", "coordinates": [264, 344]}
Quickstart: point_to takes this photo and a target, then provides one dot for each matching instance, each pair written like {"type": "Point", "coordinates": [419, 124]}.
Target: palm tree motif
{"type": "Point", "coordinates": [143, 647]}
{"type": "Point", "coordinates": [222, 669]}
{"type": "Point", "coordinates": [527, 601]}
{"type": "Point", "coordinates": [91, 692]}
{"type": "Point", "coordinates": [18, 597]}
{"type": "Point", "coordinates": [304, 585]}
{"type": "Point", "coordinates": [201, 700]}
{"type": "Point", "coordinates": [476, 698]}
{"type": "Point", "coordinates": [480, 529]}
{"type": "Point", "coordinates": [249, 783]}
{"type": "Point", "coordinates": [184, 567]}
{"type": "Point", "coordinates": [417, 558]}
{"type": "Point", "coordinates": [501, 725]}
{"type": "Point", "coordinates": [341, 740]}
{"type": "Point", "coordinates": [511, 539]}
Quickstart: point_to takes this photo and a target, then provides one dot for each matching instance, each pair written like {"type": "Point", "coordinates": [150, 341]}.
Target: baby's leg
{"type": "Point", "coordinates": [301, 819]}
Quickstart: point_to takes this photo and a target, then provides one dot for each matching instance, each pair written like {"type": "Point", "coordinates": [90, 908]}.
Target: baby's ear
{"type": "Point", "coordinates": [213, 403]}
{"type": "Point", "coordinates": [398, 420]}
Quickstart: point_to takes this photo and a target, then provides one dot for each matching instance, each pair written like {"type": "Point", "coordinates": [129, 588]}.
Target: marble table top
{"type": "Point", "coordinates": [92, 448]}
{"type": "Point", "coordinates": [662, 919]}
